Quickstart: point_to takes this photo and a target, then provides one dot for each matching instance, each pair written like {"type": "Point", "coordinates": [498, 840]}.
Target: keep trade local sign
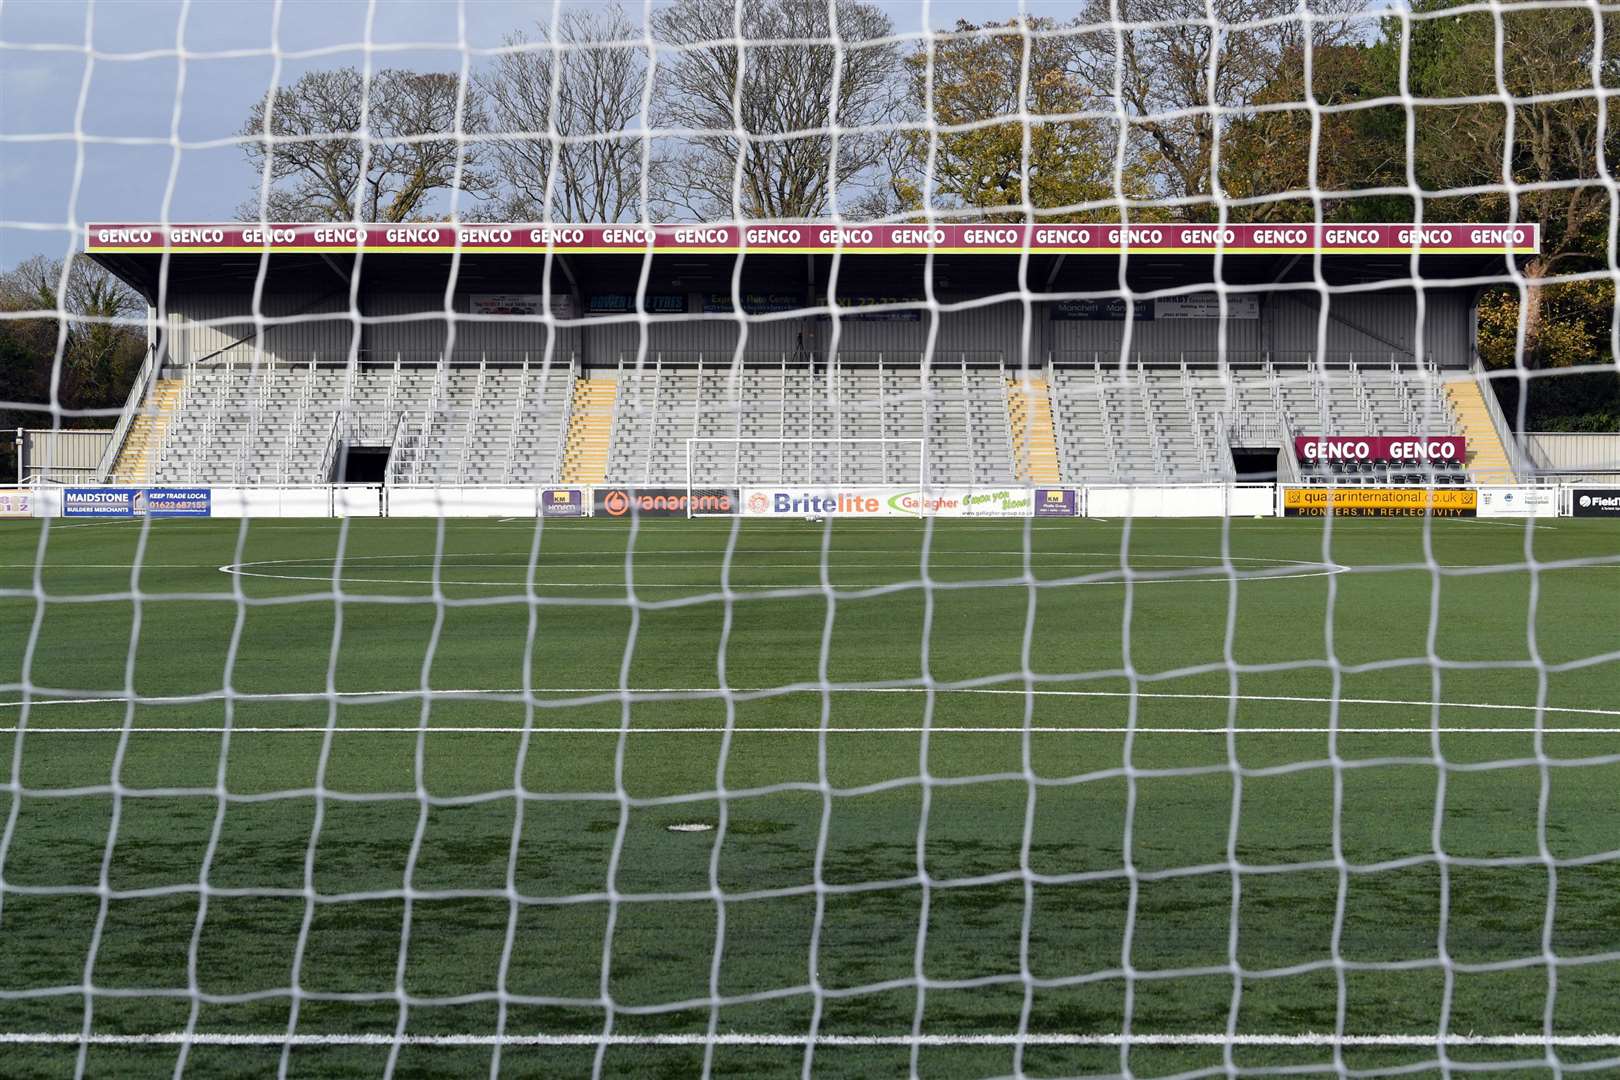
{"type": "Point", "coordinates": [813, 238]}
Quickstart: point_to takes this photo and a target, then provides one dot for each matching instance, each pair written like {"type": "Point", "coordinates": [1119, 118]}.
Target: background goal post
{"type": "Point", "coordinates": [736, 462]}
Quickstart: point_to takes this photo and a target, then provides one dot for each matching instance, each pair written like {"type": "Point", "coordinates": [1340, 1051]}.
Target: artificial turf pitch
{"type": "Point", "coordinates": [1365, 865]}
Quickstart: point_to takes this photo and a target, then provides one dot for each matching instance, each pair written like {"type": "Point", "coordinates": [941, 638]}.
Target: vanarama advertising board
{"type": "Point", "coordinates": [1379, 502]}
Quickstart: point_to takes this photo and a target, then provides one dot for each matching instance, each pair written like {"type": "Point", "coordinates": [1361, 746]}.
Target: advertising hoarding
{"type": "Point", "coordinates": [178, 502]}
{"type": "Point", "coordinates": [102, 502]}
{"type": "Point", "coordinates": [1380, 502]}
{"type": "Point", "coordinates": [1517, 502]}
{"type": "Point", "coordinates": [626, 501]}
{"type": "Point", "coordinates": [1408, 449]}
{"type": "Point", "coordinates": [1595, 502]}
{"type": "Point", "coordinates": [562, 502]}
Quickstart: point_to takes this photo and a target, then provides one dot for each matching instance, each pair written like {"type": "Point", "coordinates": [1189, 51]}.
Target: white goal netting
{"type": "Point", "coordinates": [1169, 790]}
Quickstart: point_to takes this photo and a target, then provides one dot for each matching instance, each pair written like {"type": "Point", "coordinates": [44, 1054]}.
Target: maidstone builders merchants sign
{"type": "Point", "coordinates": [101, 502]}
{"type": "Point", "coordinates": [623, 502]}
{"type": "Point", "coordinates": [1402, 448]}
{"type": "Point", "coordinates": [1379, 502]}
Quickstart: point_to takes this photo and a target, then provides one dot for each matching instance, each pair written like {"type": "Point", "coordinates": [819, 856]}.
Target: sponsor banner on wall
{"type": "Point", "coordinates": [1518, 502]}
{"type": "Point", "coordinates": [822, 502]}
{"type": "Point", "coordinates": [102, 502]}
{"type": "Point", "coordinates": [624, 502]}
{"type": "Point", "coordinates": [965, 502]}
{"type": "Point", "coordinates": [16, 503]}
{"type": "Point", "coordinates": [1004, 238]}
{"type": "Point", "coordinates": [625, 303]}
{"type": "Point", "coordinates": [528, 305]}
{"type": "Point", "coordinates": [562, 502]}
{"type": "Point", "coordinates": [1413, 449]}
{"type": "Point", "coordinates": [1380, 502]}
{"type": "Point", "coordinates": [178, 502]}
{"type": "Point", "coordinates": [1595, 502]}
{"type": "Point", "coordinates": [1057, 502]}
{"type": "Point", "coordinates": [1207, 305]}
{"type": "Point", "coordinates": [1113, 309]}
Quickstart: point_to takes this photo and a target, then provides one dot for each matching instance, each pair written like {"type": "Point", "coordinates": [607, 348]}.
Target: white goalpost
{"type": "Point", "coordinates": [601, 794]}
{"type": "Point", "coordinates": [736, 461]}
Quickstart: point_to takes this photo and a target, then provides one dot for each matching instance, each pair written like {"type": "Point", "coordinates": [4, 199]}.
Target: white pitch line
{"type": "Point", "coordinates": [767, 729]}
{"type": "Point", "coordinates": [415, 693]}
{"type": "Point", "coordinates": [736, 1038]}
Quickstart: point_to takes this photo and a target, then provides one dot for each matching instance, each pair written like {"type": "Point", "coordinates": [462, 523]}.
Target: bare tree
{"type": "Point", "coordinates": [763, 110]}
{"type": "Point", "coordinates": [1174, 67]}
{"type": "Point", "coordinates": [564, 112]}
{"type": "Point", "coordinates": [329, 161]}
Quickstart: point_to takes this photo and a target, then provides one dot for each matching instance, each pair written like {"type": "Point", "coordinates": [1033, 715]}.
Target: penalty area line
{"type": "Point", "coordinates": [50, 698]}
{"type": "Point", "coordinates": [736, 1038]}
{"type": "Point", "coordinates": [795, 729]}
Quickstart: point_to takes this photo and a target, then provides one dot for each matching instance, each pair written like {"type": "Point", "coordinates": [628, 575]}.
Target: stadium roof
{"type": "Point", "coordinates": [965, 259]}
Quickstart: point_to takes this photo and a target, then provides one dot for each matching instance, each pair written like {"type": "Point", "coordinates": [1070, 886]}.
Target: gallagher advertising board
{"type": "Point", "coordinates": [1380, 502]}
{"type": "Point", "coordinates": [624, 502]}
{"type": "Point", "coordinates": [1398, 448]}
{"type": "Point", "coordinates": [965, 502]}
{"type": "Point", "coordinates": [1595, 502]}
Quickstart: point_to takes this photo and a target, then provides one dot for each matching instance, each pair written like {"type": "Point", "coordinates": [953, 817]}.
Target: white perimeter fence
{"type": "Point", "coordinates": [110, 502]}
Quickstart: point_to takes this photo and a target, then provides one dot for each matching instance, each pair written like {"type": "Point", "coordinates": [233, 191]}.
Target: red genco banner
{"type": "Point", "coordinates": [814, 238]}
{"type": "Point", "coordinates": [1400, 448]}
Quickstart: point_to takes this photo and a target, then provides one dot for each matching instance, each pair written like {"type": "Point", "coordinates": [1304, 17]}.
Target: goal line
{"type": "Point", "coordinates": [736, 1038]}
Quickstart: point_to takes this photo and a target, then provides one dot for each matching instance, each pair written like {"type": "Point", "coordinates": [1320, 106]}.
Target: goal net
{"type": "Point", "coordinates": [1161, 789]}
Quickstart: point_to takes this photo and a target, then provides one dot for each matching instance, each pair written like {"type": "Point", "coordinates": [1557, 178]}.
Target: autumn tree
{"type": "Point", "coordinates": [1000, 104]}
{"type": "Point", "coordinates": [337, 146]}
{"type": "Point", "coordinates": [1270, 165]}
{"type": "Point", "coordinates": [786, 121]}
{"type": "Point", "coordinates": [1178, 62]}
{"type": "Point", "coordinates": [1548, 165]}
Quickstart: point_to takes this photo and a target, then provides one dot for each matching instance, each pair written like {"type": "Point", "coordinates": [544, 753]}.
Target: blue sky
{"type": "Point", "coordinates": [134, 74]}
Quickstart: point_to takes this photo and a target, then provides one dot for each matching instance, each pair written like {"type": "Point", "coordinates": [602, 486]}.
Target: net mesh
{"type": "Point", "coordinates": [1200, 878]}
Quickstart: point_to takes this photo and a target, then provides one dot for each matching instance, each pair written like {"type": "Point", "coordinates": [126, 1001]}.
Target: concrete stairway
{"type": "Point", "coordinates": [138, 455]}
{"type": "Point", "coordinates": [1487, 458]}
{"type": "Point", "coordinates": [590, 432]}
{"type": "Point", "coordinates": [1029, 408]}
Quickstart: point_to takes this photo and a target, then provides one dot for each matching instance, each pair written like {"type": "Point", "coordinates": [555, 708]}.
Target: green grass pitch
{"type": "Point", "coordinates": [1370, 782]}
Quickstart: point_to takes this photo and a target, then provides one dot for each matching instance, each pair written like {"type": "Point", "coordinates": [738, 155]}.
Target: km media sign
{"type": "Point", "coordinates": [623, 502]}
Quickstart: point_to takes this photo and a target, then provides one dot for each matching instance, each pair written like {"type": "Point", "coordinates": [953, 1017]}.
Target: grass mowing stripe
{"type": "Point", "coordinates": [743, 1038]}
{"type": "Point", "coordinates": [518, 695]}
{"type": "Point", "coordinates": [944, 729]}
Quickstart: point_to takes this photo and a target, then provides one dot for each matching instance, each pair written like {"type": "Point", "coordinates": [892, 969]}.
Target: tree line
{"type": "Point", "coordinates": [1155, 110]}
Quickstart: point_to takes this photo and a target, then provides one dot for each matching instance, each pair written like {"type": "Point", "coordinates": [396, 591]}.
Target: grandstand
{"type": "Point", "coordinates": [509, 387]}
